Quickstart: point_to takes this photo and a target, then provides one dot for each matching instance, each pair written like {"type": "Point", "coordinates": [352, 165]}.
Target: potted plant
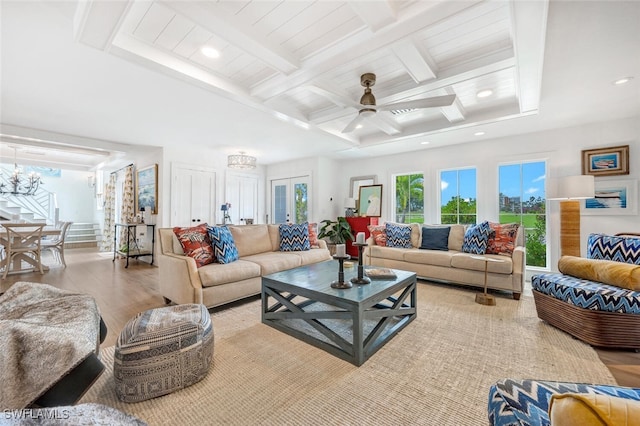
{"type": "Point", "coordinates": [336, 232]}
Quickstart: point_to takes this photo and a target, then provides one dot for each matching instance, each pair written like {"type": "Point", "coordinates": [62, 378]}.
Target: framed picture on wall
{"type": "Point", "coordinates": [606, 161]}
{"type": "Point", "coordinates": [370, 201]}
{"type": "Point", "coordinates": [147, 189]}
{"type": "Point", "coordinates": [613, 197]}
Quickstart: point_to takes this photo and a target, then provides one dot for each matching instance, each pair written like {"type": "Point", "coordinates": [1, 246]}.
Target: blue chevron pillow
{"type": "Point", "coordinates": [398, 235]}
{"type": "Point", "coordinates": [476, 238]}
{"type": "Point", "coordinates": [294, 237]}
{"type": "Point", "coordinates": [609, 247]}
{"type": "Point", "coordinates": [224, 247]}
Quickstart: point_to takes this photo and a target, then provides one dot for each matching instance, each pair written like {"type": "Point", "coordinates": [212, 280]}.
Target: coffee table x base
{"type": "Point", "coordinates": [335, 320]}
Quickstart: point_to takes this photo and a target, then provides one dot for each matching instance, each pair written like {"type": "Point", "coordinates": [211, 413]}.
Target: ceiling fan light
{"type": "Point", "coordinates": [367, 112]}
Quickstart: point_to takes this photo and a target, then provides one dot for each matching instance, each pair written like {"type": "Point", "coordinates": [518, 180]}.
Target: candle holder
{"type": "Point", "coordinates": [360, 279]}
{"type": "Point", "coordinates": [340, 283]}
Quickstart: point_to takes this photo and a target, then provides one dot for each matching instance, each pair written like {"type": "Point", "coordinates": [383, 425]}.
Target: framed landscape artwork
{"type": "Point", "coordinates": [613, 197]}
{"type": "Point", "coordinates": [606, 161]}
{"type": "Point", "coordinates": [147, 189]}
{"type": "Point", "coordinates": [370, 200]}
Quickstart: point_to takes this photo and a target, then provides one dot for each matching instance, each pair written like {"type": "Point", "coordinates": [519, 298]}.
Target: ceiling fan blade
{"type": "Point", "coordinates": [352, 125]}
{"type": "Point", "coordinates": [384, 123]}
{"type": "Point", "coordinates": [438, 101]}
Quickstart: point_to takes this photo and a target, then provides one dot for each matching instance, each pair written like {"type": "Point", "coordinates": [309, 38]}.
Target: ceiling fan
{"type": "Point", "coordinates": [369, 108]}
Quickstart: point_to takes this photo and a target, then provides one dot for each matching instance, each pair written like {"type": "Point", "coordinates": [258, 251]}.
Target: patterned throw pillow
{"type": "Point", "coordinates": [379, 234]}
{"type": "Point", "coordinates": [294, 237]}
{"type": "Point", "coordinates": [502, 239]}
{"type": "Point", "coordinates": [398, 235]}
{"type": "Point", "coordinates": [476, 238]}
{"type": "Point", "coordinates": [313, 235]}
{"type": "Point", "coordinates": [196, 243]}
{"type": "Point", "coordinates": [224, 248]}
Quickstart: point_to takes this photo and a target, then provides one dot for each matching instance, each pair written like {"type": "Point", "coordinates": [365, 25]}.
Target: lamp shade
{"type": "Point", "coordinates": [573, 188]}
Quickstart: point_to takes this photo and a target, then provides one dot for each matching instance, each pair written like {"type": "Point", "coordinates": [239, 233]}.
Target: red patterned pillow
{"type": "Point", "coordinates": [379, 234]}
{"type": "Point", "coordinates": [313, 235]}
{"type": "Point", "coordinates": [196, 243]}
{"type": "Point", "coordinates": [502, 239]}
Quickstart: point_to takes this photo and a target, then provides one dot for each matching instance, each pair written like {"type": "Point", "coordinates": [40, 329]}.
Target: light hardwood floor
{"type": "Point", "coordinates": [123, 292]}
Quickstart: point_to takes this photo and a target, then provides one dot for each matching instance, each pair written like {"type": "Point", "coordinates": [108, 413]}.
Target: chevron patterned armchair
{"type": "Point", "coordinates": [528, 402]}
{"type": "Point", "coordinates": [596, 299]}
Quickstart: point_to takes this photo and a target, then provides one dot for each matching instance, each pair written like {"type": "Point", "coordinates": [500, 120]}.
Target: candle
{"type": "Point", "coordinates": [360, 238]}
{"type": "Point", "coordinates": [341, 250]}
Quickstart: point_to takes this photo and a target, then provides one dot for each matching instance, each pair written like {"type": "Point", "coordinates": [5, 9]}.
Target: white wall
{"type": "Point", "coordinates": [561, 148]}
{"type": "Point", "coordinates": [75, 198]}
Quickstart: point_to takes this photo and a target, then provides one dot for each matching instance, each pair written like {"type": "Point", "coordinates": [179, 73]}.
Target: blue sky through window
{"type": "Point", "coordinates": [450, 180]}
{"type": "Point", "coordinates": [533, 179]}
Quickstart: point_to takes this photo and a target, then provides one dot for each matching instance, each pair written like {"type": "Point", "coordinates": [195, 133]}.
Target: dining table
{"type": "Point", "coordinates": [22, 262]}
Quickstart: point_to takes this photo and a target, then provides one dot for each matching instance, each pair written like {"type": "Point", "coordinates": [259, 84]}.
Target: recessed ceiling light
{"type": "Point", "coordinates": [210, 52]}
{"type": "Point", "coordinates": [622, 81]}
{"type": "Point", "coordinates": [478, 134]}
{"type": "Point", "coordinates": [359, 126]}
{"type": "Point", "coordinates": [424, 143]}
{"type": "Point", "coordinates": [484, 93]}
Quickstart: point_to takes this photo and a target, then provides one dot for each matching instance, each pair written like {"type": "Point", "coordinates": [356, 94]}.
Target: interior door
{"type": "Point", "coordinates": [290, 200]}
{"type": "Point", "coordinates": [242, 192]}
{"type": "Point", "coordinates": [193, 191]}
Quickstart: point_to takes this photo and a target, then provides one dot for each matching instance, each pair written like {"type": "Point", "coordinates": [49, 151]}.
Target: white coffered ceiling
{"type": "Point", "coordinates": [287, 79]}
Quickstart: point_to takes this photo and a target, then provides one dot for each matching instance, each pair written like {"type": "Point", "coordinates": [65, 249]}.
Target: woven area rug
{"type": "Point", "coordinates": [437, 371]}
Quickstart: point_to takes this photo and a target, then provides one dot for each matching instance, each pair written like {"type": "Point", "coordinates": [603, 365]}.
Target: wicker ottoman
{"type": "Point", "coordinates": [163, 350]}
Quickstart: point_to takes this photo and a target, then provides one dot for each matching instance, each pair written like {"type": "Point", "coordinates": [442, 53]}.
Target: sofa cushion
{"type": "Point", "coordinates": [398, 235]}
{"type": "Point", "coordinates": [313, 256]}
{"type": "Point", "coordinates": [394, 253]}
{"type": "Point", "coordinates": [251, 239]}
{"type": "Point", "coordinates": [502, 238]}
{"type": "Point", "coordinates": [217, 273]}
{"type": "Point", "coordinates": [476, 238]}
{"type": "Point", "coordinates": [379, 234]}
{"type": "Point", "coordinates": [605, 271]}
{"type": "Point", "coordinates": [275, 261]}
{"type": "Point", "coordinates": [456, 237]}
{"type": "Point", "coordinates": [435, 238]}
{"type": "Point", "coordinates": [589, 409]}
{"type": "Point", "coordinates": [429, 257]}
{"type": "Point", "coordinates": [224, 248]}
{"type": "Point", "coordinates": [587, 294]}
{"type": "Point", "coordinates": [294, 236]}
{"type": "Point", "coordinates": [196, 243]}
{"type": "Point", "coordinates": [608, 247]}
{"type": "Point", "coordinates": [504, 265]}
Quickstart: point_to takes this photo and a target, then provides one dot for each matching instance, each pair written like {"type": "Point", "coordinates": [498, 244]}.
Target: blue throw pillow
{"type": "Point", "coordinates": [435, 238]}
{"type": "Point", "coordinates": [398, 235]}
{"type": "Point", "coordinates": [476, 238]}
{"type": "Point", "coordinates": [224, 248]}
{"type": "Point", "coordinates": [294, 237]}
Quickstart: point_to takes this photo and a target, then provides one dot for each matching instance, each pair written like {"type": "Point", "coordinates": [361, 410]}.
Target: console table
{"type": "Point", "coordinates": [133, 248]}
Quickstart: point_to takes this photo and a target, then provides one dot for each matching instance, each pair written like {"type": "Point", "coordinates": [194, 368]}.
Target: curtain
{"type": "Point", "coordinates": [127, 212]}
{"type": "Point", "coordinates": [109, 214]}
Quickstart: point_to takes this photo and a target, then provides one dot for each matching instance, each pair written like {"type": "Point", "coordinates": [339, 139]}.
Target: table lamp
{"type": "Point", "coordinates": [569, 190]}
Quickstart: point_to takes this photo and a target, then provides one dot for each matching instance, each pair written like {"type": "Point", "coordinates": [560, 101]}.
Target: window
{"type": "Point", "coordinates": [522, 200]}
{"type": "Point", "coordinates": [458, 196]}
{"type": "Point", "coordinates": [409, 198]}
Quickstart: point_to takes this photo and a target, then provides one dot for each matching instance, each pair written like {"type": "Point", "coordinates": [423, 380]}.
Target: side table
{"type": "Point", "coordinates": [484, 298]}
{"type": "Point", "coordinates": [133, 249]}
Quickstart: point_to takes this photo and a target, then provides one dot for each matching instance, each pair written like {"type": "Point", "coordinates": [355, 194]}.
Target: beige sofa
{"type": "Point", "coordinates": [453, 265]}
{"type": "Point", "coordinates": [216, 284]}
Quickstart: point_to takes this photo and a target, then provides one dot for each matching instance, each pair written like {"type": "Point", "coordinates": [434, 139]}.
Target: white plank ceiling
{"type": "Point", "coordinates": [303, 59]}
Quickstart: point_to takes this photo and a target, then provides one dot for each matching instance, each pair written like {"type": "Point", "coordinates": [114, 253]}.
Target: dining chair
{"type": "Point", "coordinates": [56, 245]}
{"type": "Point", "coordinates": [22, 240]}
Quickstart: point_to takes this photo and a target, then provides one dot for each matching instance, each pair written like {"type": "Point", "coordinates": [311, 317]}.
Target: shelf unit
{"type": "Point", "coordinates": [133, 249]}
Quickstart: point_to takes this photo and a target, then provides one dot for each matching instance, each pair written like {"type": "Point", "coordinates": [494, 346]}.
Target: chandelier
{"type": "Point", "coordinates": [241, 161]}
{"type": "Point", "coordinates": [19, 183]}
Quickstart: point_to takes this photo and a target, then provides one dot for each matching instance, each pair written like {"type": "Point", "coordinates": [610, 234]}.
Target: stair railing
{"type": "Point", "coordinates": [43, 204]}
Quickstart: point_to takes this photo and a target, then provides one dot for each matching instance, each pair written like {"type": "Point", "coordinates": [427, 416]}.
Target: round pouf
{"type": "Point", "coordinates": [163, 350]}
